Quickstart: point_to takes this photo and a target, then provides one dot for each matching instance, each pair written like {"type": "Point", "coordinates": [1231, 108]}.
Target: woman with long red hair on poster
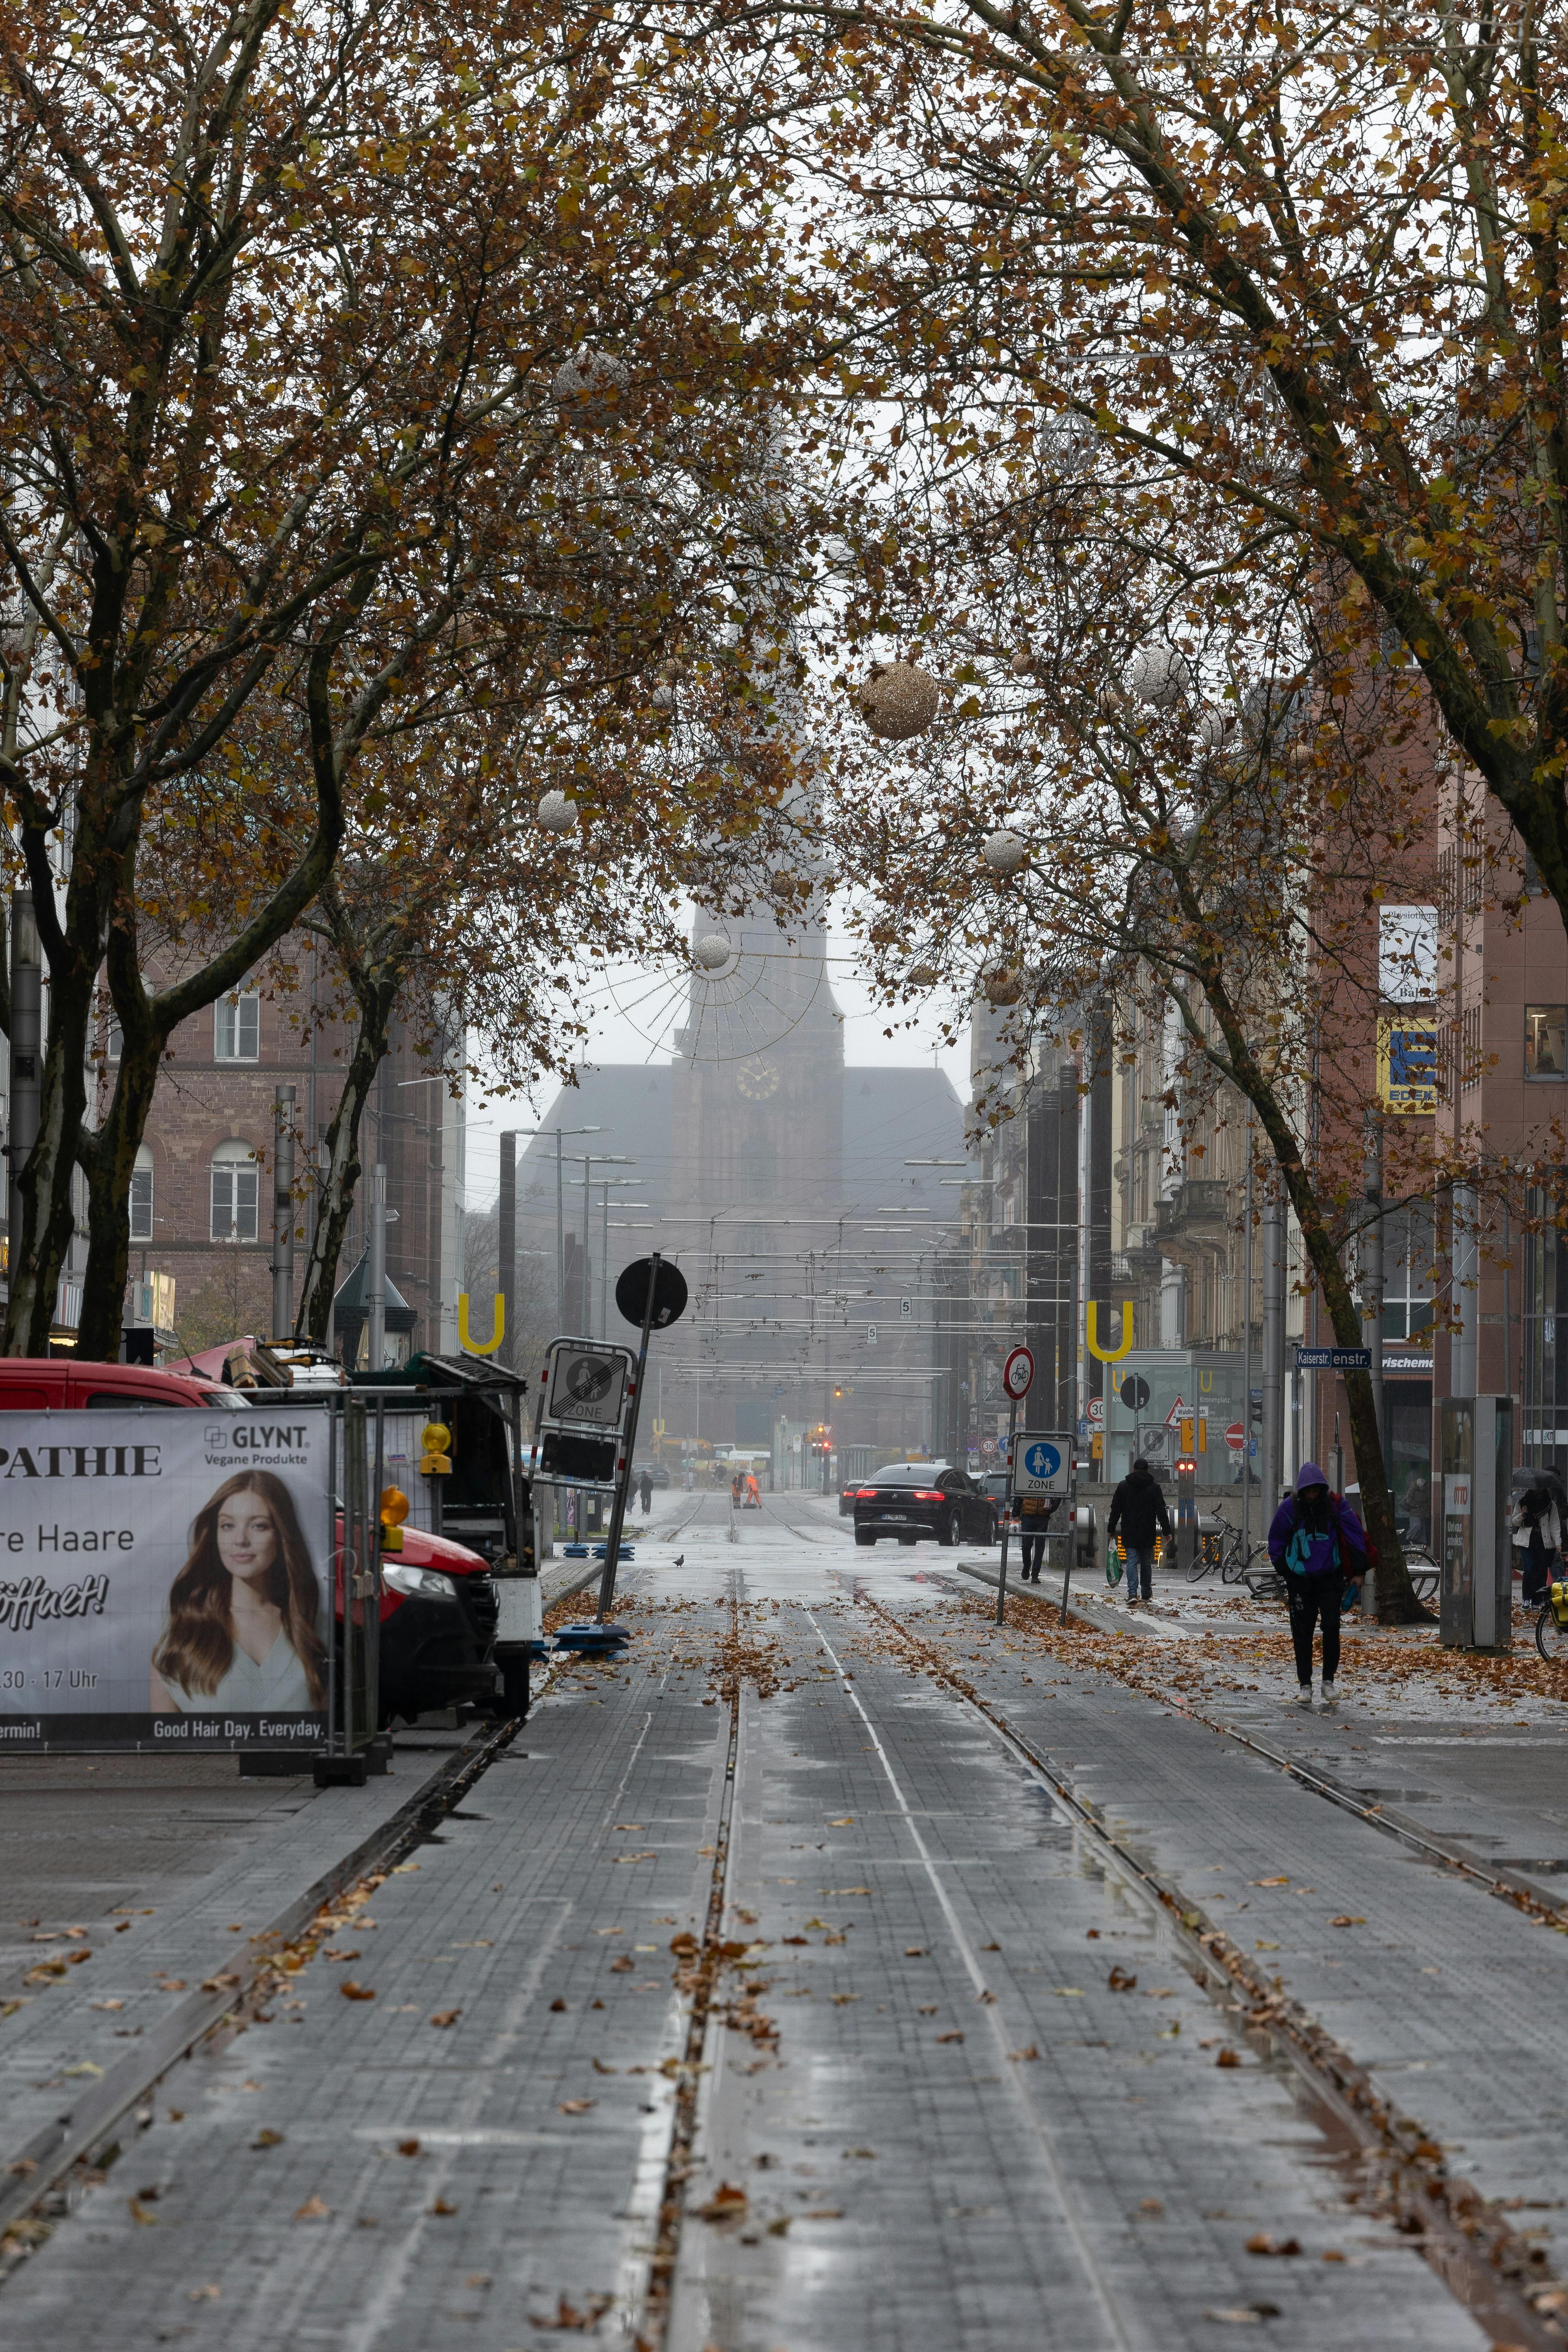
{"type": "Point", "coordinates": [243, 1630]}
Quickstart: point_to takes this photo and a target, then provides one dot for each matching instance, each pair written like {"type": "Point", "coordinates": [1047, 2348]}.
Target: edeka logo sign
{"type": "Point", "coordinates": [163, 1593]}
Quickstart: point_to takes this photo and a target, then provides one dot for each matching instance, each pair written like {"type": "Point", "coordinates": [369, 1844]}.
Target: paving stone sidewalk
{"type": "Point", "coordinates": [354, 2173]}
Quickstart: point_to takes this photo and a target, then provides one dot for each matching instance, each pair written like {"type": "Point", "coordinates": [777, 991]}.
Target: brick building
{"type": "Point", "coordinates": [200, 1200]}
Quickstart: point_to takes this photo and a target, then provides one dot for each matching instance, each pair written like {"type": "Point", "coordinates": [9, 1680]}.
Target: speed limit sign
{"type": "Point", "coordinates": [1018, 1373]}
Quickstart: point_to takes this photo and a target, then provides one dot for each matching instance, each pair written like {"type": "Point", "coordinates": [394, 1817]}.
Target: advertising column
{"type": "Point", "coordinates": [165, 1580]}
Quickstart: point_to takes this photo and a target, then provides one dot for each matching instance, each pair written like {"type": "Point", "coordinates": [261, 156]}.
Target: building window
{"type": "Point", "coordinates": [115, 1045]}
{"type": "Point", "coordinates": [1545, 1041]}
{"type": "Point", "coordinates": [142, 1196]}
{"type": "Point", "coordinates": [236, 1029]}
{"type": "Point", "coordinates": [235, 1178]}
{"type": "Point", "coordinates": [1409, 1277]}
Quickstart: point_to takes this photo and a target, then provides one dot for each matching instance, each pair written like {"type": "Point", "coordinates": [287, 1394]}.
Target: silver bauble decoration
{"type": "Point", "coordinates": [1159, 676]}
{"type": "Point", "coordinates": [556, 813]}
{"type": "Point", "coordinates": [1005, 851]}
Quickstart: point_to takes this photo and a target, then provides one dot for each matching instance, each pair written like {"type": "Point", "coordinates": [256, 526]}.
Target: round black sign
{"type": "Point", "coordinates": [669, 1293]}
{"type": "Point", "coordinates": [1135, 1392]}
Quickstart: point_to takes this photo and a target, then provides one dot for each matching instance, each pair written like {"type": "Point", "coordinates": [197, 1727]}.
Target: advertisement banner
{"type": "Point", "coordinates": [166, 1579]}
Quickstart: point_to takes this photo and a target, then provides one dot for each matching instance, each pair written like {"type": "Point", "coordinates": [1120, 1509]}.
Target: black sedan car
{"type": "Point", "coordinates": [911, 1499]}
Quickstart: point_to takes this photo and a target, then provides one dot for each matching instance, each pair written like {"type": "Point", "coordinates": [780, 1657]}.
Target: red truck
{"type": "Point", "coordinates": [439, 1607]}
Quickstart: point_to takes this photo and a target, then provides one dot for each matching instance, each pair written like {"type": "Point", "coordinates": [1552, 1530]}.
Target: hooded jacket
{"type": "Point", "coordinates": [1137, 1508]}
{"type": "Point", "coordinates": [1317, 1537]}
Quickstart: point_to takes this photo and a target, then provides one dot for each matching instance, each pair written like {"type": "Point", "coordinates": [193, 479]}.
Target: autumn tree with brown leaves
{"type": "Point", "coordinates": [299, 313]}
{"type": "Point", "coordinates": [1300, 272]}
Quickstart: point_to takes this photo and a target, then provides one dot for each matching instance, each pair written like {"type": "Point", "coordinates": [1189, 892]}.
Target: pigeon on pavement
{"type": "Point", "coordinates": [681, 1560]}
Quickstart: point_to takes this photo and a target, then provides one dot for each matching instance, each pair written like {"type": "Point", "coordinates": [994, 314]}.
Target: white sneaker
{"type": "Point", "coordinates": [1304, 1695]}
{"type": "Point", "coordinates": [1330, 1696]}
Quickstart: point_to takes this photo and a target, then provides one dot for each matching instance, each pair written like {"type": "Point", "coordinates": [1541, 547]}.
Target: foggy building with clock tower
{"type": "Point", "coordinates": [776, 1175]}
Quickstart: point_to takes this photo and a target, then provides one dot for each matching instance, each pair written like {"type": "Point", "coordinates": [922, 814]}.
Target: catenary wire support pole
{"type": "Point", "coordinates": [624, 1480]}
{"type": "Point", "coordinates": [282, 1212]}
{"type": "Point", "coordinates": [1246, 1358]}
{"type": "Point", "coordinates": [560, 1236]}
{"type": "Point", "coordinates": [1273, 1351]}
{"type": "Point", "coordinates": [1372, 1256]}
{"type": "Point", "coordinates": [506, 1242]}
{"type": "Point", "coordinates": [375, 1273]}
{"type": "Point", "coordinates": [1466, 1262]}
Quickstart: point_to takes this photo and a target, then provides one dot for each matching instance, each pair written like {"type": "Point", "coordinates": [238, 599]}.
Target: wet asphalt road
{"type": "Point", "coordinates": [958, 2083]}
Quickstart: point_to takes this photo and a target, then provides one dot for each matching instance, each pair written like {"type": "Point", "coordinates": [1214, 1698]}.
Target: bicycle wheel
{"type": "Point", "coordinates": [1551, 1638]}
{"type": "Point", "coordinates": [1236, 1563]}
{"type": "Point", "coordinates": [1206, 1556]}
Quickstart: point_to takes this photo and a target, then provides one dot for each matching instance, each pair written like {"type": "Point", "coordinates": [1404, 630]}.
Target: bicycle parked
{"type": "Point", "coordinates": [1219, 1546]}
{"type": "Point", "coordinates": [1552, 1626]}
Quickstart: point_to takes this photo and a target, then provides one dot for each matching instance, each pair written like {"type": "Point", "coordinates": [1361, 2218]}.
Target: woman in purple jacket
{"type": "Point", "coordinates": [1315, 1540]}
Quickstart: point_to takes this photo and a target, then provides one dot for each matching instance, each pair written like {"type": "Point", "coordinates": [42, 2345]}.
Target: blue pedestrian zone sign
{"type": "Point", "coordinates": [1042, 1467]}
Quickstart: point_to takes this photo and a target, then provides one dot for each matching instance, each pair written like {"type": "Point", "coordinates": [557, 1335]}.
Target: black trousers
{"type": "Point", "coordinates": [1032, 1547]}
{"type": "Point", "coordinates": [1313, 1600]}
{"type": "Point", "coordinates": [1539, 1566]}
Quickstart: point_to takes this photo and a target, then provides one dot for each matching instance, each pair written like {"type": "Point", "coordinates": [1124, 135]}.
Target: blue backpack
{"type": "Point", "coordinates": [1316, 1555]}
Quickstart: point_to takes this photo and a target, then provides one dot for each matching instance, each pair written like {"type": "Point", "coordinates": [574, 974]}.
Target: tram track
{"type": "Point", "coordinates": [1466, 2239]}
{"type": "Point", "coordinates": [1505, 1885]}
{"type": "Point", "coordinates": [698, 1972]}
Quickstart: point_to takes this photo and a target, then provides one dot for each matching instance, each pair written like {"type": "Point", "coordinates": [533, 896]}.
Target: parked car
{"type": "Point", "coordinates": [656, 1472]}
{"type": "Point", "coordinates": [846, 1499]}
{"type": "Point", "coordinates": [439, 1606]}
{"type": "Point", "coordinates": [911, 1499]}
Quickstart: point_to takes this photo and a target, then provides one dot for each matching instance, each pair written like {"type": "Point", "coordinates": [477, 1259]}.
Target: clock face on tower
{"type": "Point", "coordinates": [757, 1080]}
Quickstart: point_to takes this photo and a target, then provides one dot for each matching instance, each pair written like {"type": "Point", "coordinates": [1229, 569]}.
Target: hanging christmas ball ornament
{"type": "Point", "coordinates": [1022, 665]}
{"type": "Point", "coordinates": [1002, 984]}
{"type": "Point", "coordinates": [590, 387]}
{"type": "Point", "coordinates": [663, 697]}
{"type": "Point", "coordinates": [556, 813]}
{"type": "Point", "coordinates": [712, 952]}
{"type": "Point", "coordinates": [899, 699]}
{"type": "Point", "coordinates": [922, 975]}
{"type": "Point", "coordinates": [1213, 729]}
{"type": "Point", "coordinates": [1005, 851]}
{"type": "Point", "coordinates": [1159, 676]}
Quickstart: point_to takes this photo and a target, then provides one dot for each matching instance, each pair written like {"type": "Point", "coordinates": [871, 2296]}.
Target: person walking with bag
{"type": "Point", "coordinates": [1316, 1541]}
{"type": "Point", "coordinates": [1537, 1526]}
{"type": "Point", "coordinates": [1137, 1509]}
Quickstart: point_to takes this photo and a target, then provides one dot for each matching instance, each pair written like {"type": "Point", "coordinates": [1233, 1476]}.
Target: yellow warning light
{"type": "Point", "coordinates": [393, 1511]}
{"type": "Point", "coordinates": [437, 1440]}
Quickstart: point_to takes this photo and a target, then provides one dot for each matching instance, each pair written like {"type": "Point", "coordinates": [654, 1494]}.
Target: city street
{"type": "Point", "coordinates": [837, 1969]}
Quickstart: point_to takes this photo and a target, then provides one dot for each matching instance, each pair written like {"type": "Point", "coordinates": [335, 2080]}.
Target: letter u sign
{"type": "Point", "coordinates": [472, 1347]}
{"type": "Point", "coordinates": [1092, 1332]}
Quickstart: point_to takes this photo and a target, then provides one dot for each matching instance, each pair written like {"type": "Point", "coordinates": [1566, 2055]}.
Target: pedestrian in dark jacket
{"type": "Point", "coordinates": [1316, 1541]}
{"type": "Point", "coordinates": [645, 1492]}
{"type": "Point", "coordinates": [1137, 1509]}
{"type": "Point", "coordinates": [1537, 1524]}
{"type": "Point", "coordinates": [1034, 1523]}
